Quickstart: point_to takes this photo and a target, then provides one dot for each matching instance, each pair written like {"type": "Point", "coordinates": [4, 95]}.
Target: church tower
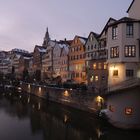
{"type": "Point", "coordinates": [46, 38]}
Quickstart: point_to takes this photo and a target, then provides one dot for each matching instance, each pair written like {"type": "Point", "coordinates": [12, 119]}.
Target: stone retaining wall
{"type": "Point", "coordinates": [74, 98]}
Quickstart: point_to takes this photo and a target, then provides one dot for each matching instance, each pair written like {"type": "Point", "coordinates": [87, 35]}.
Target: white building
{"type": "Point", "coordinates": [123, 50]}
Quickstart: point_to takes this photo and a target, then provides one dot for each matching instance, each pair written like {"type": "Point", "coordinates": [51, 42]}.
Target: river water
{"type": "Point", "coordinates": [25, 117]}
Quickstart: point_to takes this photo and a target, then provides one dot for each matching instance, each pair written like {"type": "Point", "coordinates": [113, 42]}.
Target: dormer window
{"type": "Point", "coordinates": [129, 30]}
{"type": "Point", "coordinates": [114, 32]}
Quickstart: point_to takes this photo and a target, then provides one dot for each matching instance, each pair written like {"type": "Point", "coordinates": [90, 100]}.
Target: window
{"type": "Point", "coordinates": [114, 52]}
{"type": "Point", "coordinates": [103, 77]}
{"type": "Point", "coordinates": [92, 78]}
{"type": "Point", "coordinates": [115, 73]}
{"type": "Point", "coordinates": [91, 47]}
{"type": "Point", "coordinates": [77, 56]}
{"type": "Point", "coordinates": [128, 111]}
{"type": "Point", "coordinates": [130, 51]}
{"type": "Point", "coordinates": [96, 78]}
{"type": "Point", "coordinates": [105, 66]}
{"type": "Point", "coordinates": [129, 30]}
{"type": "Point", "coordinates": [129, 73]}
{"type": "Point", "coordinates": [114, 32]}
{"type": "Point", "coordinates": [99, 65]}
{"type": "Point", "coordinates": [95, 46]}
{"type": "Point", "coordinates": [77, 75]}
{"type": "Point", "coordinates": [88, 54]}
{"type": "Point", "coordinates": [94, 66]}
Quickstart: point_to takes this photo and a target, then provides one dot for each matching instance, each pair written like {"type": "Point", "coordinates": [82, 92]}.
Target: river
{"type": "Point", "coordinates": [26, 117]}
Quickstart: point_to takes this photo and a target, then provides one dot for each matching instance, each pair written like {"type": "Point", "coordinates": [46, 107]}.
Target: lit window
{"type": "Point", "coordinates": [92, 78]}
{"type": "Point", "coordinates": [114, 32]}
{"type": "Point", "coordinates": [115, 73]}
{"type": "Point", "coordinates": [96, 78]}
{"type": "Point", "coordinates": [114, 52]}
{"type": "Point", "coordinates": [128, 111]}
{"type": "Point", "coordinates": [130, 51]}
{"type": "Point", "coordinates": [94, 66]}
{"type": "Point", "coordinates": [99, 65]}
{"type": "Point", "coordinates": [105, 66]}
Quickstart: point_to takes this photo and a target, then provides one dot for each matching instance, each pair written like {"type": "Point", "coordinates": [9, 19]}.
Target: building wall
{"type": "Point", "coordinates": [135, 10]}
{"type": "Point", "coordinates": [77, 66]}
{"type": "Point", "coordinates": [98, 78]}
{"type": "Point", "coordinates": [37, 60]}
{"type": "Point", "coordinates": [131, 41]}
{"type": "Point", "coordinates": [117, 103]}
{"type": "Point", "coordinates": [91, 47]}
{"type": "Point", "coordinates": [47, 62]}
{"type": "Point", "coordinates": [64, 64]}
{"type": "Point", "coordinates": [123, 63]}
{"type": "Point", "coordinates": [56, 59]}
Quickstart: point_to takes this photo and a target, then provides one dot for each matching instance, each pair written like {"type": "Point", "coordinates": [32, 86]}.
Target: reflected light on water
{"type": "Point", "coordinates": [99, 133]}
{"type": "Point", "coordinates": [65, 118]}
{"type": "Point", "coordinates": [33, 106]}
{"type": "Point", "coordinates": [39, 106]}
{"type": "Point", "coordinates": [39, 89]}
{"type": "Point", "coordinates": [28, 99]}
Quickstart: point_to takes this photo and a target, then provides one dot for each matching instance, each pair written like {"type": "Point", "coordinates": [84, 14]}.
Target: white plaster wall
{"type": "Point", "coordinates": [114, 43]}
{"type": "Point", "coordinates": [113, 80]}
{"type": "Point", "coordinates": [130, 41]}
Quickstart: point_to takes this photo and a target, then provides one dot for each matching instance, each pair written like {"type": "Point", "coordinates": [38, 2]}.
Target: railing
{"type": "Point", "coordinates": [125, 84]}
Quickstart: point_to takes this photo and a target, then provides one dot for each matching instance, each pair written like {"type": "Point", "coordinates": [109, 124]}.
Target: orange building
{"type": "Point", "coordinates": [77, 60]}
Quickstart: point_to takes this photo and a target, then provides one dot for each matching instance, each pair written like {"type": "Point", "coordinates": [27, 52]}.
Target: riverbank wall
{"type": "Point", "coordinates": [74, 98]}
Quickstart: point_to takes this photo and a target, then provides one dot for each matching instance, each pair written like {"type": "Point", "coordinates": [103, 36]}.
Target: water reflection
{"type": "Point", "coordinates": [27, 117]}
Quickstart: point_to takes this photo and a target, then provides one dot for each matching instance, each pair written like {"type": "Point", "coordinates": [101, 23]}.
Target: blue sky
{"type": "Point", "coordinates": [23, 22]}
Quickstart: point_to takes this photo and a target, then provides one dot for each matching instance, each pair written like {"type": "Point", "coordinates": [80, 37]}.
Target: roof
{"type": "Point", "coordinates": [106, 26]}
{"type": "Point", "coordinates": [19, 50]}
{"type": "Point", "coordinates": [95, 35]}
{"type": "Point", "coordinates": [82, 39]}
{"type": "Point", "coordinates": [130, 6]}
{"type": "Point", "coordinates": [124, 20]}
{"type": "Point", "coordinates": [27, 58]}
{"type": "Point", "coordinates": [40, 49]}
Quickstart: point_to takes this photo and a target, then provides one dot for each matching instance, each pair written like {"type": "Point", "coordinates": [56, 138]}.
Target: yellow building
{"type": "Point", "coordinates": [77, 60]}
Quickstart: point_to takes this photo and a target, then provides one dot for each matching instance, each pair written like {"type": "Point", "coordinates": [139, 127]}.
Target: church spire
{"type": "Point", "coordinates": [46, 38]}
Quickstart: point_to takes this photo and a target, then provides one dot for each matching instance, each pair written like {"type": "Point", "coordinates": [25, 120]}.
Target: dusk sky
{"type": "Point", "coordinates": [23, 22]}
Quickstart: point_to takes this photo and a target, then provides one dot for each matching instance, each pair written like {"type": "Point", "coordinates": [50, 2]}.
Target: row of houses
{"type": "Point", "coordinates": [100, 60]}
